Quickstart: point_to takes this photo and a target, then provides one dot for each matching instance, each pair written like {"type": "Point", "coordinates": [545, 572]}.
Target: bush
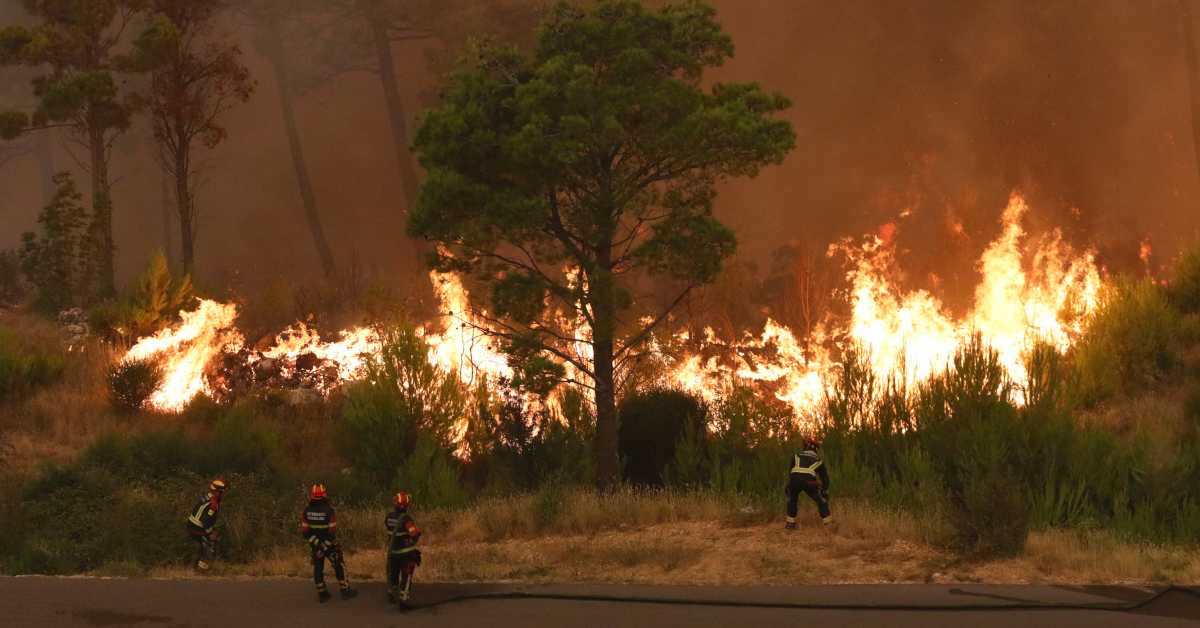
{"type": "Point", "coordinates": [403, 395]}
{"type": "Point", "coordinates": [652, 422]}
{"type": "Point", "coordinates": [1127, 343]}
{"type": "Point", "coordinates": [1184, 288]}
{"type": "Point", "coordinates": [24, 368]}
{"type": "Point", "coordinates": [130, 384]}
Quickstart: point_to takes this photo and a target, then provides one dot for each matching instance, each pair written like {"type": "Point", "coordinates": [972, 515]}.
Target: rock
{"type": "Point", "coordinates": [300, 396]}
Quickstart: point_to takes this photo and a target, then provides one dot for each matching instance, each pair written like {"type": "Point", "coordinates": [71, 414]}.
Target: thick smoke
{"type": "Point", "coordinates": [939, 108]}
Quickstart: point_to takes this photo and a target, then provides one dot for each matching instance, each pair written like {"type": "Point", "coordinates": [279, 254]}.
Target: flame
{"type": "Point", "coordinates": [1030, 289]}
{"type": "Point", "coordinates": [185, 350]}
{"type": "Point", "coordinates": [349, 354]}
{"type": "Point", "coordinates": [911, 336]}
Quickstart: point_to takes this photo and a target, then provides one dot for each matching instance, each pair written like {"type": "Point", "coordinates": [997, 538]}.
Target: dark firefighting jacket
{"type": "Point", "coordinates": [318, 522]}
{"type": "Point", "coordinates": [203, 516]}
{"type": "Point", "coordinates": [808, 463]}
{"type": "Point", "coordinates": [403, 532]}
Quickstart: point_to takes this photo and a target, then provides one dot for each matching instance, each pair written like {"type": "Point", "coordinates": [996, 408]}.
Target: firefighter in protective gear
{"type": "Point", "coordinates": [318, 526]}
{"type": "Point", "coordinates": [809, 476]}
{"type": "Point", "coordinates": [403, 555]}
{"type": "Point", "coordinates": [202, 521]}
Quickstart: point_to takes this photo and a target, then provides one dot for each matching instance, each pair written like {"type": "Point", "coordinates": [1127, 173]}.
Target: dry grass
{"type": "Point", "coordinates": [59, 420]}
{"type": "Point", "coordinates": [686, 538]}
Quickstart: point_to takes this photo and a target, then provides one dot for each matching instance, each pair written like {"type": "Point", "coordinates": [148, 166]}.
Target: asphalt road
{"type": "Point", "coordinates": [90, 602]}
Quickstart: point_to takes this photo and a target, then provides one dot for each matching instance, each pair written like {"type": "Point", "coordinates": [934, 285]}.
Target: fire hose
{"type": "Point", "coordinates": [1016, 605]}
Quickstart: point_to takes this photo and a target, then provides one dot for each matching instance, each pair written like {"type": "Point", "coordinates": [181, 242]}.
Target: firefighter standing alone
{"type": "Point", "coordinates": [403, 555]}
{"type": "Point", "coordinates": [809, 476]}
{"type": "Point", "coordinates": [318, 526]}
{"type": "Point", "coordinates": [202, 521]}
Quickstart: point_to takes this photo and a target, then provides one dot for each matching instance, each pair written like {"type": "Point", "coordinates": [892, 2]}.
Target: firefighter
{"type": "Point", "coordinates": [202, 521]}
{"type": "Point", "coordinates": [318, 526]}
{"type": "Point", "coordinates": [808, 475]}
{"type": "Point", "coordinates": [403, 555]}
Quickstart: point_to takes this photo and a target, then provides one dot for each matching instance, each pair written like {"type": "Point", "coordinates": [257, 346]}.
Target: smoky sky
{"type": "Point", "coordinates": [936, 107]}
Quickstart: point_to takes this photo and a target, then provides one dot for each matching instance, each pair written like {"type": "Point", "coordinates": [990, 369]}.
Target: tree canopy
{"type": "Point", "coordinates": [575, 174]}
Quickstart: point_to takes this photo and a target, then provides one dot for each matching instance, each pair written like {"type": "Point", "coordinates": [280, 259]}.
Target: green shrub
{"type": "Point", "coordinates": [23, 368]}
{"type": "Point", "coordinates": [652, 422]}
{"type": "Point", "coordinates": [402, 396]}
{"type": "Point", "coordinates": [54, 258]}
{"type": "Point", "coordinates": [1184, 288]}
{"type": "Point", "coordinates": [1127, 344]}
{"type": "Point", "coordinates": [130, 384]}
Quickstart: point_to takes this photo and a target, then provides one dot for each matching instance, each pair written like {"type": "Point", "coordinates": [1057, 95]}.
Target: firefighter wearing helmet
{"type": "Point", "coordinates": [809, 476]}
{"type": "Point", "coordinates": [202, 522]}
{"type": "Point", "coordinates": [318, 526]}
{"type": "Point", "coordinates": [403, 555]}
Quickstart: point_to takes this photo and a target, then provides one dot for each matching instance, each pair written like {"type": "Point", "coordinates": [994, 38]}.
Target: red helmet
{"type": "Point", "coordinates": [401, 499]}
{"type": "Point", "coordinates": [812, 442]}
{"type": "Point", "coordinates": [317, 491]}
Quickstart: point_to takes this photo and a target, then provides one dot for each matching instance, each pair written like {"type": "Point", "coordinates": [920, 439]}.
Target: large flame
{"type": "Point", "coordinates": [1029, 291]}
{"type": "Point", "coordinates": [910, 336]}
{"type": "Point", "coordinates": [185, 351]}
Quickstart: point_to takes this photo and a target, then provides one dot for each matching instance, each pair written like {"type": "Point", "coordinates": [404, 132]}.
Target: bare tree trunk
{"type": "Point", "coordinates": [45, 155]}
{"type": "Point", "coordinates": [312, 216]}
{"type": "Point", "coordinates": [183, 202]}
{"type": "Point", "coordinates": [607, 422]}
{"type": "Point", "coordinates": [1193, 67]}
{"type": "Point", "coordinates": [168, 221]}
{"type": "Point", "coordinates": [399, 123]}
{"type": "Point", "coordinates": [101, 259]}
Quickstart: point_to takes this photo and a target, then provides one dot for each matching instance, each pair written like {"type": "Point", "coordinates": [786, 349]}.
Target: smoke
{"type": "Point", "coordinates": [940, 109]}
{"type": "Point", "coordinates": [943, 109]}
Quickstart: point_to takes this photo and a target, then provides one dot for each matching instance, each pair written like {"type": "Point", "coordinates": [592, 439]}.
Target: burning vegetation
{"type": "Point", "coordinates": [1032, 289]}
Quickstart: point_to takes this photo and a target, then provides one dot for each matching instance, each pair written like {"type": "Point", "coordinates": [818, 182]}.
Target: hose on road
{"type": "Point", "coordinates": [1016, 604]}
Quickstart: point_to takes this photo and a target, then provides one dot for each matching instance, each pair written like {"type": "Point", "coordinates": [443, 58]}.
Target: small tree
{"type": "Point", "coordinates": [54, 258]}
{"type": "Point", "coordinates": [599, 153]}
{"type": "Point", "coordinates": [159, 296]}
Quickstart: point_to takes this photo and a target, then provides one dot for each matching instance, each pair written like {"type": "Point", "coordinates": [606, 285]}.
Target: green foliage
{"type": "Point", "coordinates": [159, 296]}
{"type": "Point", "coordinates": [1183, 291]}
{"type": "Point", "coordinates": [130, 384]}
{"type": "Point", "coordinates": [598, 151]}
{"type": "Point", "coordinates": [1128, 342]}
{"type": "Point", "coordinates": [402, 396]}
{"type": "Point", "coordinates": [652, 422]}
{"type": "Point", "coordinates": [24, 368]}
{"type": "Point", "coordinates": [54, 258]}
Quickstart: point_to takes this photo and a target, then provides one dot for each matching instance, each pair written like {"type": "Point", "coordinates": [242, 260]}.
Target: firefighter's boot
{"type": "Point", "coordinates": [347, 592]}
{"type": "Point", "coordinates": [323, 593]}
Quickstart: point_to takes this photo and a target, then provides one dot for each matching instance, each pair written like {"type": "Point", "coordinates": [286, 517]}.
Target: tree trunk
{"type": "Point", "coordinates": [1193, 67]}
{"type": "Point", "coordinates": [168, 221]}
{"type": "Point", "coordinates": [607, 422]}
{"type": "Point", "coordinates": [101, 256]}
{"type": "Point", "coordinates": [45, 156]}
{"type": "Point", "coordinates": [183, 202]}
{"type": "Point", "coordinates": [399, 122]}
{"type": "Point", "coordinates": [277, 57]}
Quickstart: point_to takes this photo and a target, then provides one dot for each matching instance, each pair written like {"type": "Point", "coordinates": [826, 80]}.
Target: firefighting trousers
{"type": "Point", "coordinates": [318, 560]}
{"type": "Point", "coordinates": [800, 484]}
{"type": "Point", "coordinates": [400, 568]}
{"type": "Point", "coordinates": [206, 548]}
